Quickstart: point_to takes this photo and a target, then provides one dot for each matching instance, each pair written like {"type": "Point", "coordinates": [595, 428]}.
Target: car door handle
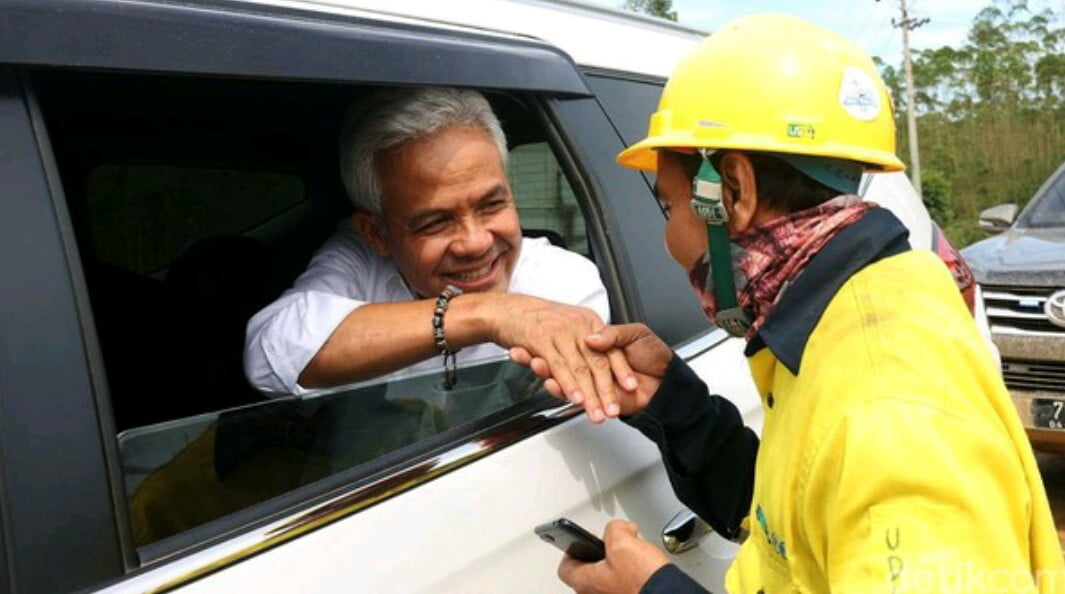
{"type": "Point", "coordinates": [683, 532]}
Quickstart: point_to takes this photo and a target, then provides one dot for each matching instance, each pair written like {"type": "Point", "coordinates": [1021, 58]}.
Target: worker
{"type": "Point", "coordinates": [891, 458]}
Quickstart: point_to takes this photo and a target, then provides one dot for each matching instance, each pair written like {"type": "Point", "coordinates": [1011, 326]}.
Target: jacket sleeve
{"type": "Point", "coordinates": [708, 453]}
{"type": "Point", "coordinates": [669, 579]}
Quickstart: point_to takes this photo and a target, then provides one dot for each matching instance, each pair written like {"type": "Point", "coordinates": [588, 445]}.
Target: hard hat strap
{"type": "Point", "coordinates": [707, 205]}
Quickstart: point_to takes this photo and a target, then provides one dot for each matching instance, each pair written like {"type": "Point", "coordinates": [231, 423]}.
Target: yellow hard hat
{"type": "Point", "coordinates": [778, 84]}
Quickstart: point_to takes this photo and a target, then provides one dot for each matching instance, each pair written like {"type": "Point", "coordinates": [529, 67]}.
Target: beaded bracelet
{"type": "Point", "coordinates": [449, 293]}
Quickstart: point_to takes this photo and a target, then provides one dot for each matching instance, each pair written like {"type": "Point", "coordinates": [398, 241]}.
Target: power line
{"type": "Point", "coordinates": [865, 22]}
{"type": "Point", "coordinates": [882, 45]}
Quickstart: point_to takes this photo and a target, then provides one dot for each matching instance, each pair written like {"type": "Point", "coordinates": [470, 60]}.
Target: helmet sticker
{"type": "Point", "coordinates": [857, 95]}
{"type": "Point", "coordinates": [802, 131]}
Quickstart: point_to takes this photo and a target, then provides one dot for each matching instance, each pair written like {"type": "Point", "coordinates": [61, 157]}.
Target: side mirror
{"type": "Point", "coordinates": [998, 218]}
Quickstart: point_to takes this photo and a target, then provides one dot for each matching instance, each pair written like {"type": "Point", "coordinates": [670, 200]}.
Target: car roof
{"type": "Point", "coordinates": [280, 40]}
{"type": "Point", "coordinates": [594, 36]}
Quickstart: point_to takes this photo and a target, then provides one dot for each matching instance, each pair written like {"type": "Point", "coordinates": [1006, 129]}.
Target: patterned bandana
{"type": "Point", "coordinates": [765, 259]}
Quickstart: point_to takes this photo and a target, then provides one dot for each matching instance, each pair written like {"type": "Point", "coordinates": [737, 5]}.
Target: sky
{"type": "Point", "coordinates": [867, 22]}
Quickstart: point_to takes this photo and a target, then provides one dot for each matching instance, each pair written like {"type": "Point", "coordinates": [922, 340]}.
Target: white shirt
{"type": "Point", "coordinates": [345, 274]}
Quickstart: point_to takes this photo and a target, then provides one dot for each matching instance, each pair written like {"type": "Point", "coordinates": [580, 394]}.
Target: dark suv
{"type": "Point", "coordinates": [1022, 273]}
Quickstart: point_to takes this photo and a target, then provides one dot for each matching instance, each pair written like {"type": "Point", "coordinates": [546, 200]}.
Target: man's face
{"type": "Point", "coordinates": [685, 232]}
{"type": "Point", "coordinates": [448, 217]}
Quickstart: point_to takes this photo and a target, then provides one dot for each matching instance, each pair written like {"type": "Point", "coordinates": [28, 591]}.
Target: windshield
{"type": "Point", "coordinates": [1048, 208]}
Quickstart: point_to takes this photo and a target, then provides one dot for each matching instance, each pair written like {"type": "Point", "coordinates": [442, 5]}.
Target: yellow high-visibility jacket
{"type": "Point", "coordinates": [892, 458]}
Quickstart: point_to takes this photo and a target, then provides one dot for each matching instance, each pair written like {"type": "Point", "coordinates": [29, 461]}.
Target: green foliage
{"type": "Point", "coordinates": [935, 190]}
{"type": "Point", "coordinates": [658, 8]}
{"type": "Point", "coordinates": [991, 114]}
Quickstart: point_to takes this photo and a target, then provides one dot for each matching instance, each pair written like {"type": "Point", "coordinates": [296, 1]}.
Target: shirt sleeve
{"type": "Point", "coordinates": [708, 452]}
{"type": "Point", "coordinates": [908, 498]}
{"type": "Point", "coordinates": [283, 338]}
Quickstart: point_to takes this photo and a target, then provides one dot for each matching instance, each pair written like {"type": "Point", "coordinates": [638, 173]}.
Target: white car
{"type": "Point", "coordinates": [170, 166]}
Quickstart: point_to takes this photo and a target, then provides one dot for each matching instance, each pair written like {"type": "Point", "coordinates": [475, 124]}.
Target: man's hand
{"type": "Point", "coordinates": [630, 562]}
{"type": "Point", "coordinates": [555, 336]}
{"type": "Point", "coordinates": [633, 351]}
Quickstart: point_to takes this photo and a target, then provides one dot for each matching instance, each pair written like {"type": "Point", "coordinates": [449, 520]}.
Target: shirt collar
{"type": "Point", "coordinates": [877, 235]}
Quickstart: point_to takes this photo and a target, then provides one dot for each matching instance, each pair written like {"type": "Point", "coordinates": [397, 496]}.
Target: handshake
{"type": "Point", "coordinates": [612, 371]}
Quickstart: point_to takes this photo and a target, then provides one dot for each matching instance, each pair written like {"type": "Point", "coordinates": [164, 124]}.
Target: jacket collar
{"type": "Point", "coordinates": [875, 236]}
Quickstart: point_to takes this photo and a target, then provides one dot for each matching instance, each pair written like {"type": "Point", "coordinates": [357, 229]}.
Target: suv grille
{"type": "Point", "coordinates": [1019, 308]}
{"type": "Point", "coordinates": [1032, 375]}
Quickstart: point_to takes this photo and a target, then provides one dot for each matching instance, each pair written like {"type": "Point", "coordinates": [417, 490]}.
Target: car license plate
{"type": "Point", "coordinates": [1048, 413]}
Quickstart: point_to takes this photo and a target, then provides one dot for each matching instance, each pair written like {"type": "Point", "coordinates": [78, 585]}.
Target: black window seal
{"type": "Point", "coordinates": [94, 356]}
{"type": "Point", "coordinates": [640, 77]}
{"type": "Point", "coordinates": [623, 307]}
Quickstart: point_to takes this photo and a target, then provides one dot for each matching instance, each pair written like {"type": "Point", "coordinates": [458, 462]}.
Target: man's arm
{"type": "Point", "coordinates": [365, 340]}
{"type": "Point", "coordinates": [708, 452]}
{"type": "Point", "coordinates": [379, 338]}
{"type": "Point", "coordinates": [340, 323]}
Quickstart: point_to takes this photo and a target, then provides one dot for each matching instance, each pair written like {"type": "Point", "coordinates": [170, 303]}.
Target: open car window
{"type": "Point", "coordinates": [196, 202]}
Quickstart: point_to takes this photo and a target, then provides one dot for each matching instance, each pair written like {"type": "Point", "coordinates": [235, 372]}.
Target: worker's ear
{"type": "Point", "coordinates": [372, 230]}
{"type": "Point", "coordinates": [739, 190]}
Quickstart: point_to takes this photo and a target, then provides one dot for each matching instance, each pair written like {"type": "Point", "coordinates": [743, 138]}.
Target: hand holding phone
{"type": "Point", "coordinates": [573, 540]}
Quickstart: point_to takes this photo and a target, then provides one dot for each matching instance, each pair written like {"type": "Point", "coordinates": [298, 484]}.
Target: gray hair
{"type": "Point", "coordinates": [392, 116]}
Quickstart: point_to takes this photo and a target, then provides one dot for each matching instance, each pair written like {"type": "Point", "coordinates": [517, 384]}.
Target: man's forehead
{"type": "Point", "coordinates": [428, 207]}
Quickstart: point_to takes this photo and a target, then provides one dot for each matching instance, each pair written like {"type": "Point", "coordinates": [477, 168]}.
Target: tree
{"type": "Point", "coordinates": [991, 112]}
{"type": "Point", "coordinates": [658, 8]}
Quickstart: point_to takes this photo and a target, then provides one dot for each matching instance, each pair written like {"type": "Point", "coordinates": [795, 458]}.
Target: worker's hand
{"type": "Point", "coordinates": [644, 356]}
{"type": "Point", "coordinates": [630, 562]}
{"type": "Point", "coordinates": [554, 335]}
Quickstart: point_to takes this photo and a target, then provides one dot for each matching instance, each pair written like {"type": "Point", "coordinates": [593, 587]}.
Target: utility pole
{"type": "Point", "coordinates": [907, 24]}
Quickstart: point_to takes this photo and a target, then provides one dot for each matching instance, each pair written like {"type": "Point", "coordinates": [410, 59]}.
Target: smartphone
{"type": "Point", "coordinates": [573, 540]}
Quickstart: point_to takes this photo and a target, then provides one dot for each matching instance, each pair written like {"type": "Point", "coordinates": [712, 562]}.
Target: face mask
{"type": "Point", "coordinates": [767, 258]}
{"type": "Point", "coordinates": [702, 280]}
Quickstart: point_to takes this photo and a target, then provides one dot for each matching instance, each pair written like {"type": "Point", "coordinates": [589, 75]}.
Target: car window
{"type": "Point", "coordinates": [195, 202]}
{"type": "Point", "coordinates": [1048, 210]}
{"type": "Point", "coordinates": [628, 102]}
{"type": "Point", "coordinates": [546, 202]}
{"type": "Point", "coordinates": [184, 473]}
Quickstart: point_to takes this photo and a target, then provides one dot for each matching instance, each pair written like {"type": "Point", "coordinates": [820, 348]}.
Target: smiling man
{"type": "Point", "coordinates": [432, 262]}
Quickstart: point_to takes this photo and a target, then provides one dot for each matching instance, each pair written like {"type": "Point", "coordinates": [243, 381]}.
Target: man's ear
{"type": "Point", "coordinates": [371, 229]}
{"type": "Point", "coordinates": [739, 190]}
